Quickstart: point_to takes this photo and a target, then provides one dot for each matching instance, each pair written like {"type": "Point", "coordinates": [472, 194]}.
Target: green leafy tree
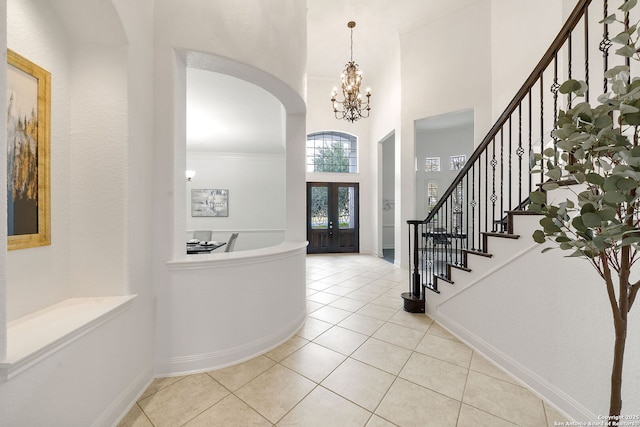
{"type": "Point", "coordinates": [598, 149]}
{"type": "Point", "coordinates": [333, 158]}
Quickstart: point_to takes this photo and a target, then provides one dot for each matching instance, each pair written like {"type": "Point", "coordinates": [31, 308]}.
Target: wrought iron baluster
{"type": "Point", "coordinates": [530, 139]}
{"type": "Point", "coordinates": [510, 176]}
{"type": "Point", "coordinates": [463, 209]}
{"type": "Point", "coordinates": [541, 127]}
{"type": "Point", "coordinates": [423, 255]}
{"type": "Point", "coordinates": [605, 45]}
{"type": "Point", "coordinates": [520, 152]}
{"type": "Point", "coordinates": [554, 90]}
{"type": "Point", "coordinates": [447, 230]}
{"type": "Point", "coordinates": [586, 52]}
{"type": "Point", "coordinates": [465, 214]}
{"type": "Point", "coordinates": [493, 196]}
{"type": "Point", "coordinates": [473, 204]}
{"type": "Point", "coordinates": [432, 255]}
{"type": "Point", "coordinates": [570, 61]}
{"type": "Point", "coordinates": [442, 253]}
{"type": "Point", "coordinates": [486, 193]}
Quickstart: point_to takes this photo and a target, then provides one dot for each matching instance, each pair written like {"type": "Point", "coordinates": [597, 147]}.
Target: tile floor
{"type": "Point", "coordinates": [359, 360]}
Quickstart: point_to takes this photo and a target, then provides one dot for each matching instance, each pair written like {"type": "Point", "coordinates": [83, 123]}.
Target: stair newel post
{"type": "Point", "coordinates": [414, 301]}
{"type": "Point", "coordinates": [415, 288]}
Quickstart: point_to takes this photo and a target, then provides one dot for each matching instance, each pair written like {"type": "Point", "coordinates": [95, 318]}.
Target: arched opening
{"type": "Point", "coordinates": [262, 104]}
{"type": "Point", "coordinates": [258, 291]}
{"type": "Point", "coordinates": [236, 152]}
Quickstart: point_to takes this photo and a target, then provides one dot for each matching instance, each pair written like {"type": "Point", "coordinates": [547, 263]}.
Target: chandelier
{"type": "Point", "coordinates": [352, 107]}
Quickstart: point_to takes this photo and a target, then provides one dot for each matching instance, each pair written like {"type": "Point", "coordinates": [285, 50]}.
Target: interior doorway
{"type": "Point", "coordinates": [388, 197]}
{"type": "Point", "coordinates": [443, 144]}
{"type": "Point", "coordinates": [332, 217]}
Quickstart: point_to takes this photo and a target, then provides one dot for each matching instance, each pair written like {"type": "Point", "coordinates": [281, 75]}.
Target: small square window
{"type": "Point", "coordinates": [458, 162]}
{"type": "Point", "coordinates": [432, 164]}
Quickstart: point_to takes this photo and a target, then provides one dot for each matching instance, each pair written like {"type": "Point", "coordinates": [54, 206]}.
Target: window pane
{"type": "Point", "coordinates": [432, 164]}
{"type": "Point", "coordinates": [332, 152]}
{"type": "Point", "coordinates": [319, 207]}
{"type": "Point", "coordinates": [346, 207]}
{"type": "Point", "coordinates": [457, 162]}
{"type": "Point", "coordinates": [432, 195]}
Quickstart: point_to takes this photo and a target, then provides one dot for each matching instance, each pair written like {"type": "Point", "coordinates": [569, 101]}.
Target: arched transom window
{"type": "Point", "coordinates": [331, 151]}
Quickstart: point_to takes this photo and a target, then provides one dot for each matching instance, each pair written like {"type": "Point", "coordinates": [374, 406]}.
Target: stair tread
{"type": "Point", "coordinates": [502, 235]}
{"type": "Point", "coordinates": [459, 267]}
{"type": "Point", "coordinates": [561, 183]}
{"type": "Point", "coordinates": [443, 278]}
{"type": "Point", "coordinates": [432, 288]}
{"type": "Point", "coordinates": [479, 253]}
{"type": "Point", "coordinates": [522, 213]}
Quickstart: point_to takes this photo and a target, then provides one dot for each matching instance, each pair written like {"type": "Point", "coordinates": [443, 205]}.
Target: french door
{"type": "Point", "coordinates": [332, 217]}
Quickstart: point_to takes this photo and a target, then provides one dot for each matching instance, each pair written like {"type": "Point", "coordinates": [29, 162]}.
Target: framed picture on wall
{"type": "Point", "coordinates": [210, 202]}
{"type": "Point", "coordinates": [28, 133]}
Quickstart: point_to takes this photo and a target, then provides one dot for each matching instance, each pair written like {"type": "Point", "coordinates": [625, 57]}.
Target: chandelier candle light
{"type": "Point", "coordinates": [353, 106]}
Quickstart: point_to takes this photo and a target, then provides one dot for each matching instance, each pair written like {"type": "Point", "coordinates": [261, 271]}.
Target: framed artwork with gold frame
{"type": "Point", "coordinates": [28, 153]}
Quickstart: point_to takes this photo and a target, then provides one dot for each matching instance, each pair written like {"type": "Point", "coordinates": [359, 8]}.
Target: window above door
{"type": "Point", "coordinates": [331, 151]}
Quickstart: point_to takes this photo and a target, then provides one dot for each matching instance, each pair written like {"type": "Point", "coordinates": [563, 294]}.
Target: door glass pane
{"type": "Point", "coordinates": [346, 212]}
{"type": "Point", "coordinates": [319, 207]}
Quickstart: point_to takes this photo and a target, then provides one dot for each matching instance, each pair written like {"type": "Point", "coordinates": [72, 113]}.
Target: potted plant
{"type": "Point", "coordinates": [598, 147]}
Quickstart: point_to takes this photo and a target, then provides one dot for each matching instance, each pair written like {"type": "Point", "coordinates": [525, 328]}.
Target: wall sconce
{"type": "Point", "coordinates": [190, 174]}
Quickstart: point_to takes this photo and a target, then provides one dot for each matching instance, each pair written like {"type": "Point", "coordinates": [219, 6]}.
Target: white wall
{"type": "Point", "coordinates": [437, 79]}
{"type": "Point", "coordinates": [115, 150]}
{"type": "Point", "coordinates": [260, 60]}
{"type": "Point", "coordinates": [33, 33]}
{"type": "Point", "coordinates": [275, 63]}
{"type": "Point", "coordinates": [320, 117]}
{"type": "Point", "coordinates": [387, 84]}
{"type": "Point", "coordinates": [99, 169]}
{"type": "Point", "coordinates": [232, 307]}
{"type": "Point", "coordinates": [465, 60]}
{"type": "Point", "coordinates": [521, 32]}
{"type": "Point", "coordinates": [257, 199]}
{"type": "Point", "coordinates": [545, 319]}
{"type": "Point", "coordinates": [426, 74]}
{"type": "Point", "coordinates": [100, 123]}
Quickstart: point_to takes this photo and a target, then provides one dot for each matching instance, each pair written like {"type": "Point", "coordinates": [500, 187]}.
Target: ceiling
{"type": "Point", "coordinates": [378, 23]}
{"type": "Point", "coordinates": [219, 118]}
{"type": "Point", "coordinates": [218, 122]}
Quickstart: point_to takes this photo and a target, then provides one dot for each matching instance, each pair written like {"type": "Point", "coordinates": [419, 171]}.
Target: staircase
{"type": "Point", "coordinates": [475, 267]}
{"type": "Point", "coordinates": [494, 184]}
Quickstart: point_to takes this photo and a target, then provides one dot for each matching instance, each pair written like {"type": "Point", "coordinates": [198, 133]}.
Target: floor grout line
{"type": "Point", "coordinates": [368, 289]}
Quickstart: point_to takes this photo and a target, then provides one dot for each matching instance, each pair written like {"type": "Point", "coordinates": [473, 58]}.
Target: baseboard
{"type": "Point", "coordinates": [125, 401]}
{"type": "Point", "coordinates": [185, 365]}
{"type": "Point", "coordinates": [562, 402]}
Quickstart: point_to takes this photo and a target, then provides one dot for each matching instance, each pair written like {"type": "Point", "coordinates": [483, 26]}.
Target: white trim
{"type": "Point", "coordinates": [240, 155]}
{"type": "Point", "coordinates": [238, 259]}
{"type": "Point", "coordinates": [35, 337]}
{"type": "Point", "coordinates": [121, 405]}
{"type": "Point", "coordinates": [192, 364]}
{"type": "Point", "coordinates": [247, 230]}
{"type": "Point", "coordinates": [535, 383]}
